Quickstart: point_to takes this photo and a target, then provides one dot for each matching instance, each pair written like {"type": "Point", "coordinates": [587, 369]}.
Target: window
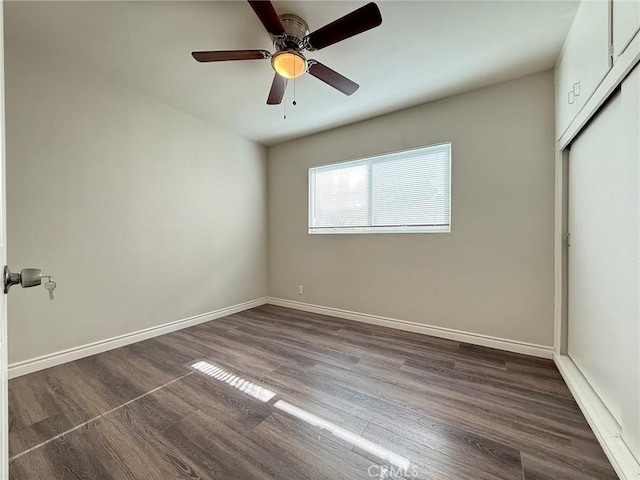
{"type": "Point", "coordinates": [402, 192]}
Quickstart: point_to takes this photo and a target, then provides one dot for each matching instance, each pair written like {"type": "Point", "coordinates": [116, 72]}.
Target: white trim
{"type": "Point", "coordinates": [4, 402]}
{"type": "Point", "coordinates": [441, 332]}
{"type": "Point", "coordinates": [626, 44]}
{"type": "Point", "coordinates": [604, 426]}
{"type": "Point", "coordinates": [51, 360]}
{"type": "Point", "coordinates": [374, 229]}
{"type": "Point", "coordinates": [558, 251]}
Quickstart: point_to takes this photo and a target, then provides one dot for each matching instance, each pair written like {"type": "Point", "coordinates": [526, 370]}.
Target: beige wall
{"type": "Point", "coordinates": [493, 274]}
{"type": "Point", "coordinates": [143, 214]}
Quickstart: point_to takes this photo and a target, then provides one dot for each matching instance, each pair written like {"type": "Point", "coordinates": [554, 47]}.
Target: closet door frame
{"type": "Point", "coordinates": [604, 426]}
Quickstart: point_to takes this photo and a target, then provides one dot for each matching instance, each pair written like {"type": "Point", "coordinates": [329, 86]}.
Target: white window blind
{"type": "Point", "coordinates": [400, 192]}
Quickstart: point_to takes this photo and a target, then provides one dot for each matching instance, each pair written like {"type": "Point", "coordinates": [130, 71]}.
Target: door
{"type": "Point", "coordinates": [604, 254]}
{"type": "Point", "coordinates": [599, 240]}
{"type": "Point", "coordinates": [4, 416]}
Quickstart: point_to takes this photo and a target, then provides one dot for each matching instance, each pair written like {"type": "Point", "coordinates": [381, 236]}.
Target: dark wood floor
{"type": "Point", "coordinates": [278, 393]}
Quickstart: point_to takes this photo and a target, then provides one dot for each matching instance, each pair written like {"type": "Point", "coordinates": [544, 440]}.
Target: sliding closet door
{"type": "Point", "coordinates": [604, 225]}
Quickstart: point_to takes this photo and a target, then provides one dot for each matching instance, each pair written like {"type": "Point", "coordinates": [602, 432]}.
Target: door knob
{"type": "Point", "coordinates": [28, 277]}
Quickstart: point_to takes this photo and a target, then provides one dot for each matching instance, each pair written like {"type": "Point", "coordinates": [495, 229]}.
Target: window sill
{"type": "Point", "coordinates": [361, 230]}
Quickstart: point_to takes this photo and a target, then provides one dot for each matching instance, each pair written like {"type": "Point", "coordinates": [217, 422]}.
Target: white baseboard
{"type": "Point", "coordinates": [474, 338]}
{"type": "Point", "coordinates": [604, 426]}
{"type": "Point", "coordinates": [46, 361]}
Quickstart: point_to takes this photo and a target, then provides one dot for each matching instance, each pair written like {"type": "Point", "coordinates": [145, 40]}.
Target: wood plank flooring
{"type": "Point", "coordinates": [282, 394]}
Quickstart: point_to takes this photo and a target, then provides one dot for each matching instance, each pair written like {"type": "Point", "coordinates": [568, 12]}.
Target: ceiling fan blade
{"type": "Point", "coordinates": [358, 21]}
{"type": "Point", "coordinates": [224, 55]}
{"type": "Point", "coordinates": [332, 78]}
{"type": "Point", "coordinates": [268, 16]}
{"type": "Point", "coordinates": [277, 90]}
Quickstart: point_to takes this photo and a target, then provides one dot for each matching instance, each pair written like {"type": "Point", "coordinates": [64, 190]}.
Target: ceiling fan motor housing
{"type": "Point", "coordinates": [295, 30]}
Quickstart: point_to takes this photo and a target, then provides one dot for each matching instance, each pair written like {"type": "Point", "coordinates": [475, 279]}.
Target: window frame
{"type": "Point", "coordinates": [375, 229]}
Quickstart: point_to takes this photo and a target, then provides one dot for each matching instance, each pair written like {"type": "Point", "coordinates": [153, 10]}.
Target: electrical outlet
{"type": "Point", "coordinates": [300, 289]}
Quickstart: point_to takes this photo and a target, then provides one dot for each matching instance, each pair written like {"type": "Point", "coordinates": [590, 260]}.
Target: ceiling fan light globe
{"type": "Point", "coordinates": [289, 64]}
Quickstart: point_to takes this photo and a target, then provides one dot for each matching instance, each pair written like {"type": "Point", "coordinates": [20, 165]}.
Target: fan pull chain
{"type": "Point", "coordinates": [284, 108]}
{"type": "Point", "coordinates": [294, 92]}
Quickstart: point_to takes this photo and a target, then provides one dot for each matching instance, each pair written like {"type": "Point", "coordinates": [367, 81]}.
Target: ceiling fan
{"type": "Point", "coordinates": [290, 35]}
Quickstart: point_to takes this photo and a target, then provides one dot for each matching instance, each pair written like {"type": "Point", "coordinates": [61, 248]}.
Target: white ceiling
{"type": "Point", "coordinates": [423, 50]}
